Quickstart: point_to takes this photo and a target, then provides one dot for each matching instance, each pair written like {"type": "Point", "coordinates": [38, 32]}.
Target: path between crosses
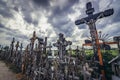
{"type": "Point", "coordinates": [5, 73]}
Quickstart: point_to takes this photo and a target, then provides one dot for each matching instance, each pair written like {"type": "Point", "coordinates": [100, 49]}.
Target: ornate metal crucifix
{"type": "Point", "coordinates": [61, 44]}
{"type": "Point", "coordinates": [90, 21]}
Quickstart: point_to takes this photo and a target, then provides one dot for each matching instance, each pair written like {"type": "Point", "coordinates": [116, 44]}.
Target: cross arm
{"type": "Point", "coordinates": [96, 16]}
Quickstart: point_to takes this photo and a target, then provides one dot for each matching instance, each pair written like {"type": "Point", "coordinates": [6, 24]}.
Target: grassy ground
{"type": "Point", "coordinates": [113, 52]}
{"type": "Point", "coordinates": [107, 56]}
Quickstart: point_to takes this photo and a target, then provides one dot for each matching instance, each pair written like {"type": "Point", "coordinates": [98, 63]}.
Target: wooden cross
{"type": "Point", "coordinates": [90, 21]}
{"type": "Point", "coordinates": [33, 39]}
{"type": "Point", "coordinates": [17, 45]}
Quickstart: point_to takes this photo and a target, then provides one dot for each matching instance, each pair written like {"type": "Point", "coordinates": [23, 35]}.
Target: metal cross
{"type": "Point", "coordinates": [61, 44]}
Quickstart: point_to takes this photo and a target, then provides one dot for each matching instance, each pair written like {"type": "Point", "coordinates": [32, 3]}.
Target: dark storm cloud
{"type": "Point", "coordinates": [1, 31]}
{"type": "Point", "coordinates": [5, 10]}
{"type": "Point", "coordinates": [16, 9]}
{"type": "Point", "coordinates": [1, 25]}
{"type": "Point", "coordinates": [68, 32]}
{"type": "Point", "coordinates": [8, 38]}
{"type": "Point", "coordinates": [62, 25]}
{"type": "Point", "coordinates": [116, 17]}
{"type": "Point", "coordinates": [29, 20]}
{"type": "Point", "coordinates": [59, 18]}
{"type": "Point", "coordinates": [17, 38]}
{"type": "Point", "coordinates": [26, 8]}
{"type": "Point", "coordinates": [12, 32]}
{"type": "Point", "coordinates": [16, 34]}
{"type": "Point", "coordinates": [5, 13]}
{"type": "Point", "coordinates": [65, 10]}
{"type": "Point", "coordinates": [5, 28]}
{"type": "Point", "coordinates": [42, 2]}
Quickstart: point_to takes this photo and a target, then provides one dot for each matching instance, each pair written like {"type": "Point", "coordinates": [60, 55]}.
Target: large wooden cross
{"type": "Point", "coordinates": [90, 21]}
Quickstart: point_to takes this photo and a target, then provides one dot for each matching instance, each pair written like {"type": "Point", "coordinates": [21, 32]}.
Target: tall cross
{"type": "Point", "coordinates": [45, 45]}
{"type": "Point", "coordinates": [21, 46]}
{"type": "Point", "coordinates": [90, 21]}
{"type": "Point", "coordinates": [12, 47]}
{"type": "Point", "coordinates": [17, 45]}
{"type": "Point", "coordinates": [40, 43]}
{"type": "Point", "coordinates": [33, 39]}
{"type": "Point", "coordinates": [49, 50]}
{"type": "Point", "coordinates": [16, 52]}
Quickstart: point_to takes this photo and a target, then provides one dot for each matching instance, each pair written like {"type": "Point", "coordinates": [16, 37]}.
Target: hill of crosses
{"type": "Point", "coordinates": [39, 61]}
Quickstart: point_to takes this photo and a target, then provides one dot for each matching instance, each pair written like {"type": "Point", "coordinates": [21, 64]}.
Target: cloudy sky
{"type": "Point", "coordinates": [19, 18]}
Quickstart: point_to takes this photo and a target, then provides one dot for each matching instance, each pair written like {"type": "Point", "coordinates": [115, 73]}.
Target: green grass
{"type": "Point", "coordinates": [113, 52]}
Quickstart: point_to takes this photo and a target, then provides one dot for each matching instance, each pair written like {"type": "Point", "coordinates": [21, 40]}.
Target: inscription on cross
{"type": "Point", "coordinates": [90, 21]}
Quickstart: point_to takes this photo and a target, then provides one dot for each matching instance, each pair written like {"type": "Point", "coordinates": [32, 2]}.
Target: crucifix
{"type": "Point", "coordinates": [90, 21]}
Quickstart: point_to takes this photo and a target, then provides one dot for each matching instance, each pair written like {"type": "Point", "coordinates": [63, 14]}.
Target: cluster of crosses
{"type": "Point", "coordinates": [36, 64]}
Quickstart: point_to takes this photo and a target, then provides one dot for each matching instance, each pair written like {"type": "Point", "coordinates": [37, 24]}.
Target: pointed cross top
{"type": "Point", "coordinates": [92, 16]}
{"type": "Point", "coordinates": [34, 34]}
{"type": "Point", "coordinates": [89, 8]}
{"type": "Point", "coordinates": [13, 40]}
{"type": "Point", "coordinates": [33, 37]}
